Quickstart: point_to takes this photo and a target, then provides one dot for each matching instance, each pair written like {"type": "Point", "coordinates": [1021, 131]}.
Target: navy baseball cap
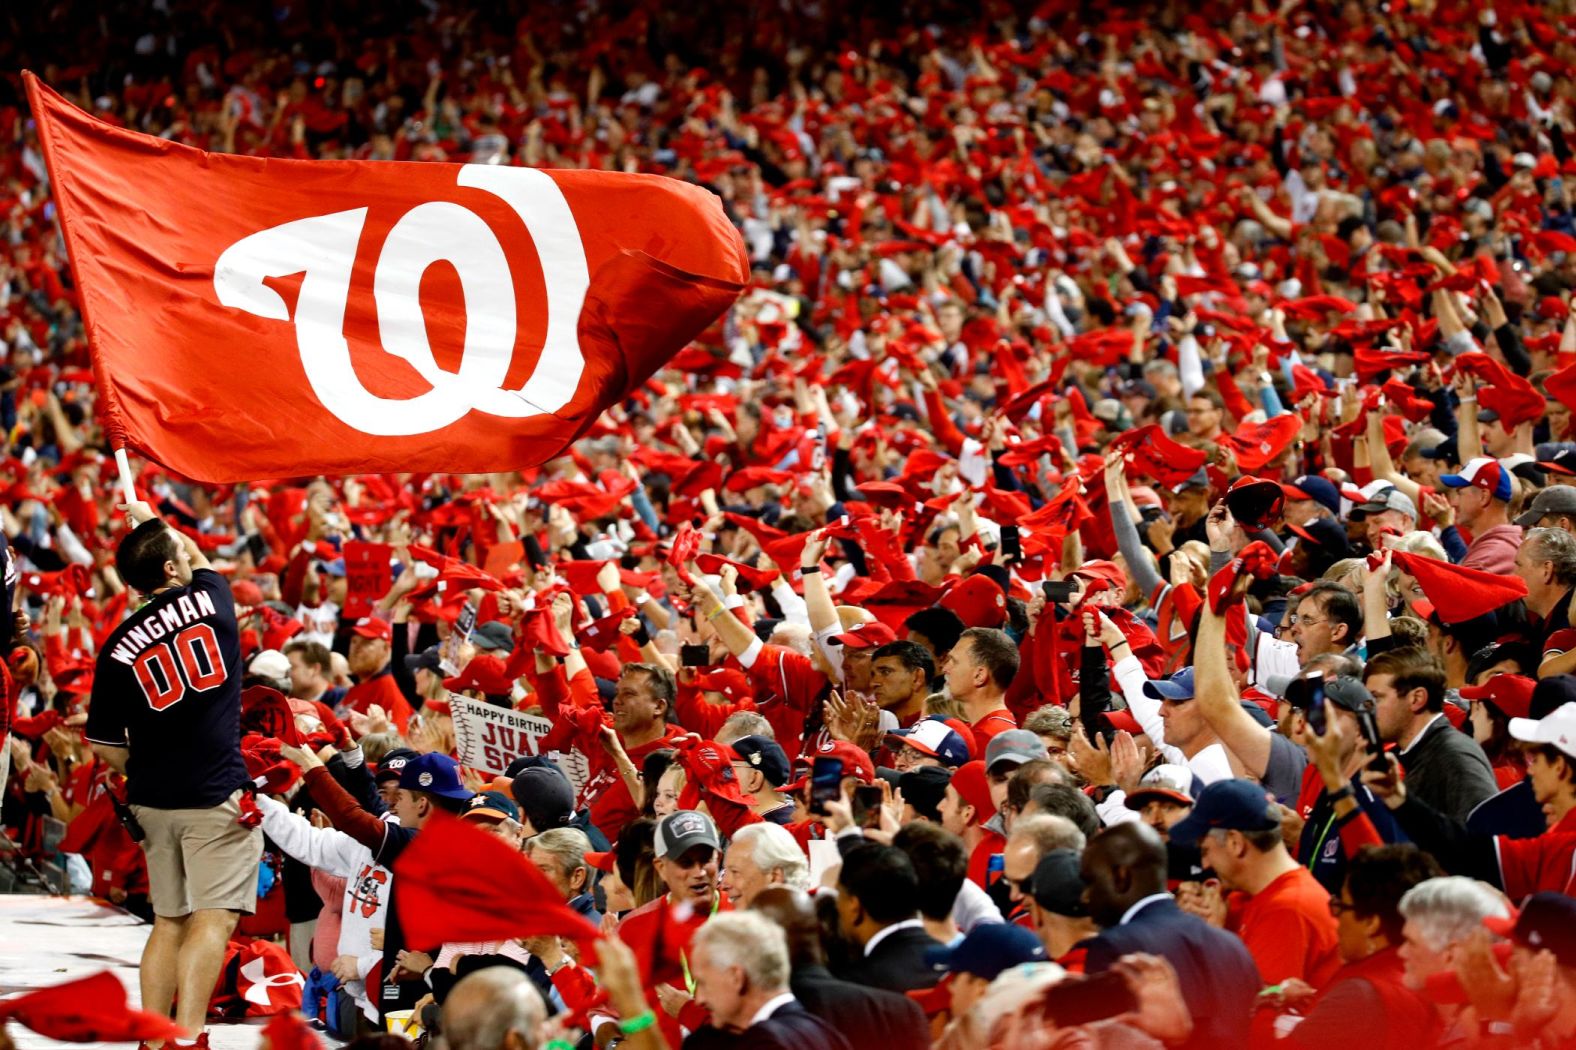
{"type": "Point", "coordinates": [1325, 534]}
{"type": "Point", "coordinates": [766, 755]}
{"type": "Point", "coordinates": [1178, 687]}
{"type": "Point", "coordinates": [394, 763]}
{"type": "Point", "coordinates": [1546, 920]}
{"type": "Point", "coordinates": [987, 951]}
{"type": "Point", "coordinates": [436, 775]}
{"type": "Point", "coordinates": [492, 805]}
{"type": "Point", "coordinates": [1319, 489]}
{"type": "Point", "coordinates": [1227, 805]}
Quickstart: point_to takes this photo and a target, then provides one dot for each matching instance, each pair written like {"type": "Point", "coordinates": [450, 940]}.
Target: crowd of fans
{"type": "Point", "coordinates": [1107, 582]}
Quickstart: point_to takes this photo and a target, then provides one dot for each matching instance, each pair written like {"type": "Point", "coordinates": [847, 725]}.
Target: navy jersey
{"type": "Point", "coordinates": [168, 686]}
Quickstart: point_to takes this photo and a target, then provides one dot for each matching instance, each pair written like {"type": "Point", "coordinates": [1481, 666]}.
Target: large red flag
{"type": "Point", "coordinates": [86, 1010]}
{"type": "Point", "coordinates": [254, 317]}
{"type": "Point", "coordinates": [459, 883]}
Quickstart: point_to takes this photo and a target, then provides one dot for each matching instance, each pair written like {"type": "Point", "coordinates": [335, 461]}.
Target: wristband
{"type": "Point", "coordinates": [559, 1044]}
{"type": "Point", "coordinates": [811, 571]}
{"type": "Point", "coordinates": [639, 1023]}
{"type": "Point", "coordinates": [1346, 792]}
{"type": "Point", "coordinates": [1467, 400]}
{"type": "Point", "coordinates": [720, 610]}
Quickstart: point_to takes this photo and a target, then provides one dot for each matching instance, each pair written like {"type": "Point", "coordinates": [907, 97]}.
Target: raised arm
{"type": "Point", "coordinates": [1217, 695]}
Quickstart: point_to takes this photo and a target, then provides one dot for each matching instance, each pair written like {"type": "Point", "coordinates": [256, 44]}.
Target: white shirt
{"type": "Point", "coordinates": [906, 924]}
{"type": "Point", "coordinates": [1210, 764]}
{"type": "Point", "coordinates": [1138, 906]}
{"type": "Point", "coordinates": [771, 1006]}
{"type": "Point", "coordinates": [973, 907]}
{"type": "Point", "coordinates": [1426, 727]}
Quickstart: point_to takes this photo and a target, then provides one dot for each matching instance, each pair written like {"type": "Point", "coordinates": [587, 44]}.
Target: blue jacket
{"type": "Point", "coordinates": [1219, 980]}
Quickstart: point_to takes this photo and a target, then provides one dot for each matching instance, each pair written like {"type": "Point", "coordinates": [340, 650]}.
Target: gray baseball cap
{"type": "Point", "coordinates": [1556, 499]}
{"type": "Point", "coordinates": [1386, 499]}
{"type": "Point", "coordinates": [1016, 746]}
{"type": "Point", "coordinates": [678, 833]}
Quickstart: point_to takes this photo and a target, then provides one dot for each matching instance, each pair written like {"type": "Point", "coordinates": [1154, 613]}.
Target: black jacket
{"type": "Point", "coordinates": [866, 1017]}
{"type": "Point", "coordinates": [1447, 769]}
{"type": "Point", "coordinates": [898, 963]}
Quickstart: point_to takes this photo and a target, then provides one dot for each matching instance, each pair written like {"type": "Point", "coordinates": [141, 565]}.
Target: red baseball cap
{"type": "Point", "coordinates": [870, 635]}
{"type": "Point", "coordinates": [485, 674]}
{"type": "Point", "coordinates": [977, 601]}
{"type": "Point", "coordinates": [372, 627]}
{"type": "Point", "coordinates": [1511, 693]}
{"type": "Point", "coordinates": [974, 787]}
{"type": "Point", "coordinates": [856, 763]}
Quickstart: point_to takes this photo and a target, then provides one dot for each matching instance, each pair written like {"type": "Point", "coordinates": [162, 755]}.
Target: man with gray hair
{"type": "Point", "coordinates": [740, 967]}
{"type": "Point", "coordinates": [1031, 839]}
{"type": "Point", "coordinates": [1440, 914]}
{"type": "Point", "coordinates": [762, 855]}
{"type": "Point", "coordinates": [493, 1009]}
{"type": "Point", "coordinates": [741, 724]}
{"type": "Point", "coordinates": [1546, 563]}
{"type": "Point", "coordinates": [560, 853]}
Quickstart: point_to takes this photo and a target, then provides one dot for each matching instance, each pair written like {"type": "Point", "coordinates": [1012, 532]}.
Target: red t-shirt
{"type": "Point", "coordinates": [1289, 930]}
{"type": "Point", "coordinates": [787, 688]}
{"type": "Point", "coordinates": [613, 807]}
{"type": "Point", "coordinates": [997, 721]}
{"type": "Point", "coordinates": [979, 860]}
{"type": "Point", "coordinates": [380, 689]}
{"type": "Point", "coordinates": [660, 938]}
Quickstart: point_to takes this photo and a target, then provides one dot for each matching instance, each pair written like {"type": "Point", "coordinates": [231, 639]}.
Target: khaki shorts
{"type": "Point", "coordinates": [200, 859]}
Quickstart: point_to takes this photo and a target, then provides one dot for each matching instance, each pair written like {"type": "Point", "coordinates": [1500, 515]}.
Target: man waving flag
{"type": "Point", "coordinates": [254, 318]}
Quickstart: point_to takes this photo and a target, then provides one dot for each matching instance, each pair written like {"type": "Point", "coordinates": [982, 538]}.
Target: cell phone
{"type": "Point", "coordinates": [867, 805]}
{"type": "Point", "coordinates": [695, 656]}
{"type": "Point", "coordinates": [1011, 546]}
{"type": "Point", "coordinates": [1318, 717]}
{"type": "Point", "coordinates": [826, 783]}
{"type": "Point", "coordinates": [1368, 725]}
{"type": "Point", "coordinates": [1057, 591]}
{"type": "Point", "coordinates": [1073, 1002]}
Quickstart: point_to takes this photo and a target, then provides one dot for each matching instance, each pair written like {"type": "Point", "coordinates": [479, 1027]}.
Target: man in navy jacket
{"type": "Point", "coordinates": [1125, 870]}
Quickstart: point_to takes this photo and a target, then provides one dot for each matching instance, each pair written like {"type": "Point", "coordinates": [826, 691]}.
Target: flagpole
{"type": "Point", "coordinates": [128, 486]}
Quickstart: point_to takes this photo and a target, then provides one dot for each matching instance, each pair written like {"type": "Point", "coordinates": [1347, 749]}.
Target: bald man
{"type": "Point", "coordinates": [494, 1009]}
{"type": "Point", "coordinates": [865, 1016]}
{"type": "Point", "coordinates": [1124, 872]}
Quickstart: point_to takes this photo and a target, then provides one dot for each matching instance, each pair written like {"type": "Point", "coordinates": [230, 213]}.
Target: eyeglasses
{"type": "Point", "coordinates": [1339, 907]}
{"type": "Point", "coordinates": [1307, 621]}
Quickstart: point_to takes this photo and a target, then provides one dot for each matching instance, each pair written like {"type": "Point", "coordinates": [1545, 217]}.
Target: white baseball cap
{"type": "Point", "coordinates": [1166, 781]}
{"type": "Point", "coordinates": [270, 663]}
{"type": "Point", "coordinates": [1558, 728]}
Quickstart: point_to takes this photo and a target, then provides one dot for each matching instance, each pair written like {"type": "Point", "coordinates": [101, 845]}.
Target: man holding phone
{"type": "Point", "coordinates": [1347, 707]}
